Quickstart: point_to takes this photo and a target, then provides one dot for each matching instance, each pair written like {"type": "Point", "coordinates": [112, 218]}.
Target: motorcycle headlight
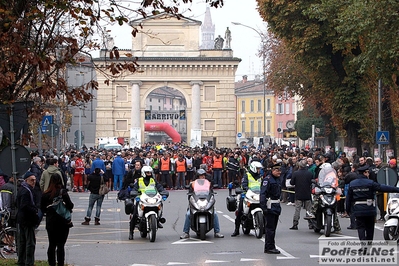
{"type": "Point", "coordinates": [328, 200]}
{"type": "Point", "coordinates": [151, 200]}
{"type": "Point", "coordinates": [328, 190]}
{"type": "Point", "coordinates": [202, 203]}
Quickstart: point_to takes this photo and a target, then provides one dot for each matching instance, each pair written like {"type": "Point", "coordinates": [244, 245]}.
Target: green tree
{"type": "Point", "coordinates": [343, 47]}
{"type": "Point", "coordinates": [41, 38]}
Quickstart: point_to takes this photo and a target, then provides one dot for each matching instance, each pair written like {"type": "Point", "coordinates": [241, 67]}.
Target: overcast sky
{"type": "Point", "coordinates": [245, 42]}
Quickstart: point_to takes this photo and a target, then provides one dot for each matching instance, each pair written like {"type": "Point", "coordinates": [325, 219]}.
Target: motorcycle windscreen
{"type": "Point", "coordinates": [201, 187]}
{"type": "Point", "coordinates": [328, 177]}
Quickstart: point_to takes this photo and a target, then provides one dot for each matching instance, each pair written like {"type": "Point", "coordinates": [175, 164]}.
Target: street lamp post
{"type": "Point", "coordinates": [262, 37]}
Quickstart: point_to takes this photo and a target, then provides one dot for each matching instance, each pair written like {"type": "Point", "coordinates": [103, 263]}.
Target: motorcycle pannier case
{"type": "Point", "coordinates": [231, 203]}
{"type": "Point", "coordinates": [129, 206]}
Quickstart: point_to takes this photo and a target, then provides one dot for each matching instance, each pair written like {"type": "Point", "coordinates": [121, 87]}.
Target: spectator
{"type": "Point", "coordinates": [57, 228]}
{"type": "Point", "coordinates": [27, 220]}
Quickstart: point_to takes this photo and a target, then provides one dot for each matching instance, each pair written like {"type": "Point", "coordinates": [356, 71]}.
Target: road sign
{"type": "Point", "coordinates": [52, 130]}
{"type": "Point", "coordinates": [382, 137]}
{"type": "Point", "coordinates": [47, 120]}
{"type": "Point", "coordinates": [387, 176]}
{"type": "Point", "coordinates": [239, 134]}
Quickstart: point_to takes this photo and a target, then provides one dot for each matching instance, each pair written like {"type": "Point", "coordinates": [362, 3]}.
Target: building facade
{"type": "Point", "coordinates": [168, 55]}
{"type": "Point", "coordinates": [255, 111]}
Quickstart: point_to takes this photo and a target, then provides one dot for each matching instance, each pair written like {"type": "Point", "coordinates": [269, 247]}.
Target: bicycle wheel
{"type": "Point", "coordinates": [8, 243]}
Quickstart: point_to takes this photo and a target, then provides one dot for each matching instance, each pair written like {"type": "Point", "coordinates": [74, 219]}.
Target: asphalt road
{"type": "Point", "coordinates": [108, 244]}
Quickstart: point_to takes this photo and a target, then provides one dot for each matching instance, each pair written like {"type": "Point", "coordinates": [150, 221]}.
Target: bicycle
{"type": "Point", "coordinates": [8, 237]}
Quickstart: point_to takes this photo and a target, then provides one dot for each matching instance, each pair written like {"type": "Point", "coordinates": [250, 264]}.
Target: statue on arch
{"type": "Point", "coordinates": [219, 43]}
{"type": "Point", "coordinates": [227, 38]}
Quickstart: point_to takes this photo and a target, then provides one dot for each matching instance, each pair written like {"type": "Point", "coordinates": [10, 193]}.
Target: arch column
{"type": "Point", "coordinates": [195, 134]}
{"type": "Point", "coordinates": [135, 115]}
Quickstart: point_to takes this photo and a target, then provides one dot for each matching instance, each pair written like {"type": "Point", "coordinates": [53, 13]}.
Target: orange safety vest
{"type": "Point", "coordinates": [218, 162]}
{"type": "Point", "coordinates": [180, 166]}
{"type": "Point", "coordinates": [165, 164]}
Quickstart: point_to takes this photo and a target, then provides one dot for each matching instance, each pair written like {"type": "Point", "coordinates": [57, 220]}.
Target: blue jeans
{"type": "Point", "coordinates": [92, 199]}
{"type": "Point", "coordinates": [118, 179]}
{"type": "Point", "coordinates": [217, 177]}
{"type": "Point", "coordinates": [180, 179]}
{"type": "Point", "coordinates": [216, 226]}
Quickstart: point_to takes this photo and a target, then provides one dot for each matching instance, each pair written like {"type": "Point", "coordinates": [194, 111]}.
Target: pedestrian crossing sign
{"type": "Point", "coordinates": [382, 137]}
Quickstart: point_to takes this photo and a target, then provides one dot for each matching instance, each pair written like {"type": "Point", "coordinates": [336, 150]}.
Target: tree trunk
{"type": "Point", "coordinates": [352, 138]}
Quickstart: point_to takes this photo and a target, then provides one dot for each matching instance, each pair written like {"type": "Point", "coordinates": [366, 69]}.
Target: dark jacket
{"type": "Point", "coordinates": [94, 183]}
{"type": "Point", "coordinates": [302, 180]}
{"type": "Point", "coordinates": [8, 197]}
{"type": "Point", "coordinates": [362, 189]}
{"type": "Point", "coordinates": [27, 215]}
{"type": "Point", "coordinates": [53, 220]}
{"type": "Point", "coordinates": [131, 178]}
{"type": "Point", "coordinates": [270, 189]}
{"type": "Point", "coordinates": [233, 164]}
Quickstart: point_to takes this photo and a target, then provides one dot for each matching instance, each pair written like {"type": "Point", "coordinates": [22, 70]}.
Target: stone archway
{"type": "Point", "coordinates": [204, 77]}
{"type": "Point", "coordinates": [165, 111]}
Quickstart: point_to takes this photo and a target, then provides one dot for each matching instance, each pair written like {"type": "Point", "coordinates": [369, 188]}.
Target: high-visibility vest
{"type": "Point", "coordinates": [147, 189]}
{"type": "Point", "coordinates": [165, 164]}
{"type": "Point", "coordinates": [252, 182]}
{"type": "Point", "coordinates": [180, 166]}
{"type": "Point", "coordinates": [217, 162]}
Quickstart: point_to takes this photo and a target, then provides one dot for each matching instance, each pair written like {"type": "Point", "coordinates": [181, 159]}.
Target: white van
{"type": "Point", "coordinates": [114, 146]}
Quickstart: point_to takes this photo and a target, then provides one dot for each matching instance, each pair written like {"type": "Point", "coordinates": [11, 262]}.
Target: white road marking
{"type": "Point", "coordinates": [336, 237]}
{"type": "Point", "coordinates": [177, 263]}
{"type": "Point", "coordinates": [216, 261]}
{"type": "Point", "coordinates": [244, 259]}
{"type": "Point", "coordinates": [191, 241]}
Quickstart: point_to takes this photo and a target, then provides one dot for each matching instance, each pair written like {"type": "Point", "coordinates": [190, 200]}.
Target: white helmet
{"type": "Point", "coordinates": [254, 166]}
{"type": "Point", "coordinates": [145, 169]}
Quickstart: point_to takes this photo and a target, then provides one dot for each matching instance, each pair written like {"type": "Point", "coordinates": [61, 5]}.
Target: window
{"type": "Point", "coordinates": [209, 93]}
{"type": "Point", "coordinates": [121, 125]}
{"type": "Point", "coordinates": [259, 126]}
{"type": "Point", "coordinates": [259, 105]}
{"type": "Point", "coordinates": [159, 100]}
{"type": "Point", "coordinates": [252, 126]}
{"type": "Point", "coordinates": [159, 108]}
{"type": "Point", "coordinates": [171, 101]}
{"type": "Point", "coordinates": [280, 125]}
{"type": "Point", "coordinates": [287, 108]}
{"type": "Point", "coordinates": [209, 125]}
{"type": "Point", "coordinates": [150, 100]}
{"type": "Point", "coordinates": [268, 126]}
{"type": "Point", "coordinates": [252, 106]}
{"type": "Point", "coordinates": [121, 94]}
{"type": "Point", "coordinates": [279, 108]}
{"type": "Point", "coordinates": [242, 126]}
{"type": "Point", "coordinates": [268, 105]}
{"type": "Point", "coordinates": [293, 108]}
{"type": "Point", "coordinates": [243, 106]}
{"type": "Point", "coordinates": [150, 107]}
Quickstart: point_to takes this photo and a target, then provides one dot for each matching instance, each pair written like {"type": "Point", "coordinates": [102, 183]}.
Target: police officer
{"type": "Point", "coordinates": [270, 203]}
{"type": "Point", "coordinates": [360, 201]}
{"type": "Point", "coordinates": [146, 181]}
{"type": "Point", "coordinates": [251, 179]}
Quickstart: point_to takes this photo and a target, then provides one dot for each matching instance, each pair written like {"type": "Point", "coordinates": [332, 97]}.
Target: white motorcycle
{"type": "Point", "coordinates": [252, 215]}
{"type": "Point", "coordinates": [391, 226]}
{"type": "Point", "coordinates": [149, 212]}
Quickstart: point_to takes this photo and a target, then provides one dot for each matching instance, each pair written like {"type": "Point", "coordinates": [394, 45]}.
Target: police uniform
{"type": "Point", "coordinates": [360, 201]}
{"type": "Point", "coordinates": [270, 203]}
